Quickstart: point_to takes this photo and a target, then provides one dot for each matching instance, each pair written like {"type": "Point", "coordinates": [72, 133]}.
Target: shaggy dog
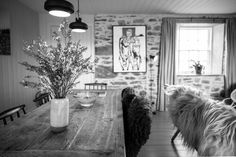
{"type": "Point", "coordinates": [205, 125]}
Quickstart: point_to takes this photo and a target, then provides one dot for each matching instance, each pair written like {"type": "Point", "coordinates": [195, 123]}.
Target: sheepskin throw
{"type": "Point", "coordinates": [137, 121]}
{"type": "Point", "coordinates": [205, 125]}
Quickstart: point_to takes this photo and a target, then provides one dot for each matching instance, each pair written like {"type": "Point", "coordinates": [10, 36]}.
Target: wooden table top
{"type": "Point", "coordinates": [92, 132]}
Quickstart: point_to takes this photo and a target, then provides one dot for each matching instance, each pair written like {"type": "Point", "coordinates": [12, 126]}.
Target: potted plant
{"type": "Point", "coordinates": [58, 68]}
{"type": "Point", "coordinates": [198, 67]}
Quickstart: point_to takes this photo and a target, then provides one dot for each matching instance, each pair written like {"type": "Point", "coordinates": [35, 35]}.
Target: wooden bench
{"type": "Point", "coordinates": [10, 112]}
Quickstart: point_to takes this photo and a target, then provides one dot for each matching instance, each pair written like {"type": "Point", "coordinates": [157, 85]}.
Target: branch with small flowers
{"type": "Point", "coordinates": [57, 67]}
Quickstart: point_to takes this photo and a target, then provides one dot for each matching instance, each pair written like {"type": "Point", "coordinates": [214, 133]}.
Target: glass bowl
{"type": "Point", "coordinates": [86, 99]}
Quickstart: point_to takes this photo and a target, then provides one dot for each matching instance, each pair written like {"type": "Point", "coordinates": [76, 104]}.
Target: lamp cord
{"type": "Point", "coordinates": [78, 10]}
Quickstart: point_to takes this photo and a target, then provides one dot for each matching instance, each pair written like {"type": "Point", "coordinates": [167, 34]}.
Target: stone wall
{"type": "Point", "coordinates": [212, 85]}
{"type": "Point", "coordinates": [103, 51]}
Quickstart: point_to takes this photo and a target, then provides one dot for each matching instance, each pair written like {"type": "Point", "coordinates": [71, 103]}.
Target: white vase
{"type": "Point", "coordinates": [59, 114]}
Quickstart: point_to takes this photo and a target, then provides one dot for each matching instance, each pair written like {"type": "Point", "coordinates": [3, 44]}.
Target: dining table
{"type": "Point", "coordinates": [95, 131]}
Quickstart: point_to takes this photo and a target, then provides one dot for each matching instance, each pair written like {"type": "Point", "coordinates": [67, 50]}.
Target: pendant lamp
{"type": "Point", "coordinates": [78, 25]}
{"type": "Point", "coordinates": [59, 8]}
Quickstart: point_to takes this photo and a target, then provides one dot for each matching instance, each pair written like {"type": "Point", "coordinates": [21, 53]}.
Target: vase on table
{"type": "Point", "coordinates": [58, 68]}
{"type": "Point", "coordinates": [59, 114]}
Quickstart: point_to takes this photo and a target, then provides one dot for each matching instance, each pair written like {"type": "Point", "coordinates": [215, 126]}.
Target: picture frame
{"type": "Point", "coordinates": [129, 48]}
{"type": "Point", "coordinates": [5, 42]}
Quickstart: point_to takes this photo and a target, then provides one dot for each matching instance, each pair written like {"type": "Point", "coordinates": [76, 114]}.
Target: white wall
{"type": "Point", "coordinates": [5, 19]}
{"type": "Point", "coordinates": [23, 24]}
{"type": "Point", "coordinates": [48, 24]}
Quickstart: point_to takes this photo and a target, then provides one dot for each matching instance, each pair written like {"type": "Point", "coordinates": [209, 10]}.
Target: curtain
{"type": "Point", "coordinates": [230, 79]}
{"type": "Point", "coordinates": [167, 60]}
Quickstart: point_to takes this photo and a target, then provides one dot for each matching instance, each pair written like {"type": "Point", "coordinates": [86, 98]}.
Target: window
{"type": "Point", "coordinates": [202, 43]}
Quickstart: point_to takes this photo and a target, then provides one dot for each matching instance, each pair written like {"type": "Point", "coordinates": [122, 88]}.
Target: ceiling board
{"type": "Point", "coordinates": [146, 6]}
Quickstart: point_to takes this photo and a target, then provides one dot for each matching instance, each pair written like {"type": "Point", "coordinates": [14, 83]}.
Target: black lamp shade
{"type": "Point", "coordinates": [78, 26]}
{"type": "Point", "coordinates": [60, 8]}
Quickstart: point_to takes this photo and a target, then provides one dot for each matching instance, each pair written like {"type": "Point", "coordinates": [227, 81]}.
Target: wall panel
{"type": "Point", "coordinates": [23, 24]}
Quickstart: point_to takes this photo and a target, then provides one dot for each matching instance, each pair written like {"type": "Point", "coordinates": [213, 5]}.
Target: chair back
{"type": "Point", "coordinates": [9, 113]}
{"type": "Point", "coordinates": [42, 98]}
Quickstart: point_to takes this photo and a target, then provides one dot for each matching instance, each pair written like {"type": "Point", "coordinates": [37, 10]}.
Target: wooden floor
{"type": "Point", "coordinates": [159, 143]}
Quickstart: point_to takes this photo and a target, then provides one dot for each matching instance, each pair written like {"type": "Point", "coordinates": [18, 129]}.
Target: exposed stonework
{"type": "Point", "coordinates": [121, 22]}
{"type": "Point", "coordinates": [152, 20]}
{"type": "Point", "coordinates": [141, 20]}
{"type": "Point", "coordinates": [212, 85]}
{"type": "Point", "coordinates": [103, 51]}
{"type": "Point", "coordinates": [130, 78]}
{"type": "Point", "coordinates": [104, 72]}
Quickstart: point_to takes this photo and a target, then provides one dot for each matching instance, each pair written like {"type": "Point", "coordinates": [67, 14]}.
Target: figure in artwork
{"type": "Point", "coordinates": [129, 49]}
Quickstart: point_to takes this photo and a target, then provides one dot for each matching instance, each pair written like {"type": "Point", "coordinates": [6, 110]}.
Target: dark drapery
{"type": "Point", "coordinates": [230, 79]}
{"type": "Point", "coordinates": [167, 60]}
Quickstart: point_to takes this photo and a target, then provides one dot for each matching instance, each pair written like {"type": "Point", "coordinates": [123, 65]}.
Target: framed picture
{"type": "Point", "coordinates": [129, 48]}
{"type": "Point", "coordinates": [5, 42]}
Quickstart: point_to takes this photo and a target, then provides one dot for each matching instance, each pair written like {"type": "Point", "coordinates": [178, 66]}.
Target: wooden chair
{"type": "Point", "coordinates": [42, 98]}
{"type": "Point", "coordinates": [137, 121]}
{"type": "Point", "coordinates": [96, 87]}
{"type": "Point", "coordinates": [175, 135]}
{"type": "Point", "coordinates": [10, 112]}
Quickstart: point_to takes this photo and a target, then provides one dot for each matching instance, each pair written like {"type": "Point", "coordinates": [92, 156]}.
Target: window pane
{"type": "Point", "coordinates": [195, 43]}
{"type": "Point", "coordinates": [194, 39]}
{"type": "Point", "coordinates": [187, 59]}
{"type": "Point", "coordinates": [204, 39]}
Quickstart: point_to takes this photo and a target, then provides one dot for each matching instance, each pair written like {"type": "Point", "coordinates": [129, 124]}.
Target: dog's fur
{"type": "Point", "coordinates": [205, 125]}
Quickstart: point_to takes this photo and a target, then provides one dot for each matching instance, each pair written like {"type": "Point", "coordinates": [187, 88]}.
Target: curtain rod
{"type": "Point", "coordinates": [201, 16]}
{"type": "Point", "coordinates": [199, 19]}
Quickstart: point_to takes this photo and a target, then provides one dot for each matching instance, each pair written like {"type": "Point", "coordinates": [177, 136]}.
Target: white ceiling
{"type": "Point", "coordinates": [146, 6]}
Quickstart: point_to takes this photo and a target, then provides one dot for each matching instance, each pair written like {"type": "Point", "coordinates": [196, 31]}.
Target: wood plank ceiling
{"type": "Point", "coordinates": [146, 6]}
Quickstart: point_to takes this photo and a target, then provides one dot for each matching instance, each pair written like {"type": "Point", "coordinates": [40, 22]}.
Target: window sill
{"type": "Point", "coordinates": [195, 75]}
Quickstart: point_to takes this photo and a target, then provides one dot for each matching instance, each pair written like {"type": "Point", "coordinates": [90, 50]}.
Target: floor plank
{"type": "Point", "coordinates": [159, 143]}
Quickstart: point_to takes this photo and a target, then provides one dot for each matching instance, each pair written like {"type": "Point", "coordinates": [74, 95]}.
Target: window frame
{"type": "Point", "coordinates": [192, 26]}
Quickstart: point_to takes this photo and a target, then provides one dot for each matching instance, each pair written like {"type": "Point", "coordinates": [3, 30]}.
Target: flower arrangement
{"type": "Point", "coordinates": [58, 67]}
{"type": "Point", "coordinates": [198, 67]}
